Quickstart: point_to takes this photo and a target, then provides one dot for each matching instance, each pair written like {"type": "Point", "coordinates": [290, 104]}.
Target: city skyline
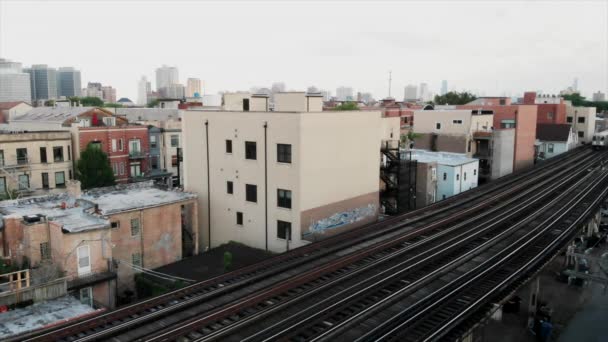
{"type": "Point", "coordinates": [480, 51]}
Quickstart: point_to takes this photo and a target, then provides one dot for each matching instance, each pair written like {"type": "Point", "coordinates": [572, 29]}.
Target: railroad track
{"type": "Point", "coordinates": [322, 289]}
{"type": "Point", "coordinates": [109, 324]}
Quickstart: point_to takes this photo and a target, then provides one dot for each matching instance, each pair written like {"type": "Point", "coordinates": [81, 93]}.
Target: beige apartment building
{"type": "Point", "coordinates": [34, 163]}
{"type": "Point", "coordinates": [278, 180]}
{"type": "Point", "coordinates": [582, 120]}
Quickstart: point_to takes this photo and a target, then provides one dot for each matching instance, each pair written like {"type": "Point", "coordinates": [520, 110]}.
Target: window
{"type": "Point", "coordinates": [134, 147]}
{"type": "Point", "coordinates": [114, 145]}
{"type": "Point", "coordinates": [115, 224]}
{"type": "Point", "coordinates": [120, 147]}
{"type": "Point", "coordinates": [457, 122]}
{"type": "Point", "coordinates": [239, 218]}
{"type": "Point", "coordinates": [59, 179]}
{"type": "Point", "coordinates": [228, 146]}
{"type": "Point", "coordinates": [284, 230]}
{"type": "Point", "coordinates": [465, 176]}
{"type": "Point", "coordinates": [284, 153]}
{"type": "Point", "coordinates": [550, 115]}
{"type": "Point", "coordinates": [469, 146]}
{"type": "Point", "coordinates": [475, 172]}
{"type": "Point", "coordinates": [134, 227]}
{"type": "Point", "coordinates": [550, 148]}
{"type": "Point", "coordinates": [45, 252]}
{"type": "Point", "coordinates": [1, 157]}
{"type": "Point", "coordinates": [136, 259]}
{"type": "Point", "coordinates": [569, 119]}
{"type": "Point", "coordinates": [135, 169]}
{"type": "Point", "coordinates": [502, 102]}
{"type": "Point", "coordinates": [251, 193]}
{"type": "Point", "coordinates": [174, 140]}
{"type": "Point", "coordinates": [109, 121]}
{"type": "Point", "coordinates": [122, 168]}
{"type": "Point", "coordinates": [43, 155]}
{"type": "Point", "coordinates": [457, 177]}
{"type": "Point", "coordinates": [250, 150]}
{"type": "Point", "coordinates": [245, 105]}
{"type": "Point", "coordinates": [445, 176]}
{"type": "Point", "coordinates": [438, 125]}
{"type": "Point", "coordinates": [229, 187]}
{"type": "Point", "coordinates": [443, 197]}
{"type": "Point", "coordinates": [581, 134]}
{"type": "Point", "coordinates": [21, 156]}
{"type": "Point", "coordinates": [69, 153]}
{"type": "Point", "coordinates": [45, 180]}
{"type": "Point", "coordinates": [86, 296]}
{"type": "Point", "coordinates": [95, 144]}
{"type": "Point", "coordinates": [581, 119]}
{"type": "Point", "coordinates": [2, 185]}
{"type": "Point", "coordinates": [508, 123]}
{"type": "Point", "coordinates": [58, 153]}
{"type": "Point", "coordinates": [84, 260]}
{"type": "Point", "coordinates": [24, 182]}
{"type": "Point", "coordinates": [70, 174]}
{"type": "Point", "coordinates": [154, 162]}
{"type": "Point", "coordinates": [284, 198]}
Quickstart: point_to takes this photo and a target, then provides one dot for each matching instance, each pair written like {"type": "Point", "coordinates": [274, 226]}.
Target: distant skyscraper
{"type": "Point", "coordinates": [599, 96]}
{"type": "Point", "coordinates": [344, 94]}
{"type": "Point", "coordinates": [108, 94]}
{"type": "Point", "coordinates": [444, 87]}
{"type": "Point", "coordinates": [193, 86]}
{"type": "Point", "coordinates": [144, 88]}
{"type": "Point", "coordinates": [174, 91]}
{"type": "Point", "coordinates": [410, 93]}
{"type": "Point", "coordinates": [166, 76]}
{"type": "Point", "coordinates": [43, 82]}
{"type": "Point", "coordinates": [575, 84]}
{"type": "Point", "coordinates": [425, 94]}
{"type": "Point", "coordinates": [68, 80]}
{"type": "Point", "coordinates": [14, 83]}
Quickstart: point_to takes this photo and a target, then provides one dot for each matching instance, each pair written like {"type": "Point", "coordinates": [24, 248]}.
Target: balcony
{"type": "Point", "coordinates": [136, 154]}
{"type": "Point", "coordinates": [15, 163]}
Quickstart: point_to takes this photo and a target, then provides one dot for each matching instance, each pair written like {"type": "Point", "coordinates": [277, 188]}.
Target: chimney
{"type": "Point", "coordinates": [73, 187]}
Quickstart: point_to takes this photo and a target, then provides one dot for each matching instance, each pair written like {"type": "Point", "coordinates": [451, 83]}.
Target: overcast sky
{"type": "Point", "coordinates": [491, 48]}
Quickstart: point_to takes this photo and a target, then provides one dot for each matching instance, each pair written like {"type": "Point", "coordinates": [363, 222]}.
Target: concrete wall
{"type": "Point", "coordinates": [559, 147]}
{"type": "Point", "coordinates": [445, 143]}
{"type": "Point", "coordinates": [426, 184]}
{"type": "Point", "coordinates": [457, 179]}
{"type": "Point", "coordinates": [234, 101]}
{"type": "Point", "coordinates": [587, 128]}
{"type": "Point", "coordinates": [525, 136]}
{"type": "Point", "coordinates": [503, 152]}
{"type": "Point", "coordinates": [335, 165]}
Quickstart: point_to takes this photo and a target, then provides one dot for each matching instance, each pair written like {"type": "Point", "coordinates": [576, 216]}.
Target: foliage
{"type": "Point", "coordinates": [153, 103]}
{"type": "Point", "coordinates": [227, 260]}
{"type": "Point", "coordinates": [580, 101]}
{"type": "Point", "coordinates": [91, 101]}
{"type": "Point", "coordinates": [113, 105]}
{"type": "Point", "coordinates": [9, 194]}
{"type": "Point", "coordinates": [93, 169]}
{"type": "Point", "coordinates": [409, 138]}
{"type": "Point", "coordinates": [347, 106]}
{"type": "Point", "coordinates": [49, 103]}
{"type": "Point", "coordinates": [147, 287]}
{"type": "Point", "coordinates": [454, 98]}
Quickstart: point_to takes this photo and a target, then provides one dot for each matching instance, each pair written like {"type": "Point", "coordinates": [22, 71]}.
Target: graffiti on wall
{"type": "Point", "coordinates": [341, 219]}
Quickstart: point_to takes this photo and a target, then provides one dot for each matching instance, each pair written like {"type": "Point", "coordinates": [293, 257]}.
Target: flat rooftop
{"type": "Point", "coordinates": [442, 158]}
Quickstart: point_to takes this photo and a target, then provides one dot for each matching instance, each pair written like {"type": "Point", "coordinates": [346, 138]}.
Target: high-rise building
{"type": "Point", "coordinates": [599, 96]}
{"type": "Point", "coordinates": [173, 91]}
{"type": "Point", "coordinates": [108, 94]}
{"type": "Point", "coordinates": [166, 76]}
{"type": "Point", "coordinates": [93, 89]}
{"type": "Point", "coordinates": [410, 93]}
{"type": "Point", "coordinates": [193, 87]}
{"type": "Point", "coordinates": [425, 94]}
{"type": "Point", "coordinates": [43, 82]}
{"type": "Point", "coordinates": [575, 84]}
{"type": "Point", "coordinates": [14, 83]}
{"type": "Point", "coordinates": [144, 88]}
{"type": "Point", "coordinates": [444, 87]}
{"type": "Point", "coordinates": [68, 80]}
{"type": "Point", "coordinates": [344, 94]}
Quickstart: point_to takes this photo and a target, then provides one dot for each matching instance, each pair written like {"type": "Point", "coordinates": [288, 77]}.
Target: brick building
{"type": "Point", "coordinates": [99, 239]}
{"type": "Point", "coordinates": [550, 108]}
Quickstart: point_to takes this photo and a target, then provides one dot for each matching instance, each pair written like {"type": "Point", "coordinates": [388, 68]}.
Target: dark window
{"type": "Point", "coordinates": [153, 164]}
{"type": "Point", "coordinates": [581, 119]}
{"type": "Point", "coordinates": [283, 230]}
{"type": "Point", "coordinates": [229, 187]}
{"type": "Point", "coordinates": [475, 172]}
{"type": "Point", "coordinates": [153, 142]}
{"type": "Point", "coordinates": [284, 198]}
{"type": "Point", "coordinates": [70, 174]}
{"type": "Point", "coordinates": [59, 179]}
{"type": "Point", "coordinates": [115, 224]}
{"type": "Point", "coordinates": [465, 176]}
{"type": "Point", "coordinates": [21, 156]}
{"type": "Point", "coordinates": [569, 119]}
{"type": "Point", "coordinates": [45, 251]}
{"type": "Point", "coordinates": [228, 146]}
{"type": "Point", "coordinates": [69, 153]}
{"type": "Point", "coordinates": [445, 176]}
{"type": "Point", "coordinates": [245, 105]}
{"type": "Point", "coordinates": [457, 177]}
{"type": "Point", "coordinates": [134, 227]}
{"type": "Point", "coordinates": [1, 157]}
{"type": "Point", "coordinates": [502, 102]}
{"type": "Point", "coordinates": [250, 150]}
{"type": "Point", "coordinates": [45, 180]}
{"type": "Point", "coordinates": [581, 134]}
{"type": "Point", "coordinates": [58, 153]}
{"type": "Point", "coordinates": [239, 218]}
{"type": "Point", "coordinates": [550, 148]}
{"type": "Point", "coordinates": [251, 193]}
{"type": "Point", "coordinates": [284, 153]}
{"type": "Point", "coordinates": [43, 155]}
{"type": "Point", "coordinates": [174, 140]}
{"type": "Point", "coordinates": [438, 125]}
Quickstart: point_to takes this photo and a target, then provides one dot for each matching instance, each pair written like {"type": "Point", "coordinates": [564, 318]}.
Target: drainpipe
{"type": "Point", "coordinates": [208, 185]}
{"type": "Point", "coordinates": [266, 182]}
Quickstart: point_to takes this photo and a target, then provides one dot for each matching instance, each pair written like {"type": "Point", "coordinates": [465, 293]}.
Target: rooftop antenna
{"type": "Point", "coordinates": [390, 79]}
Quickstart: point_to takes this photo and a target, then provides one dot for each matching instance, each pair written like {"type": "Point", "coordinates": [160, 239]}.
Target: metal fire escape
{"type": "Point", "coordinates": [399, 178]}
{"type": "Point", "coordinates": [13, 171]}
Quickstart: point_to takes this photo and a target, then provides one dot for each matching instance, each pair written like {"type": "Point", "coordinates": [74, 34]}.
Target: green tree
{"type": "Point", "coordinates": [93, 168]}
{"type": "Point", "coordinates": [347, 106]}
{"type": "Point", "coordinates": [227, 260]}
{"type": "Point", "coordinates": [113, 105]}
{"type": "Point", "coordinates": [49, 103]}
{"type": "Point", "coordinates": [91, 101]}
{"type": "Point", "coordinates": [152, 103]}
{"type": "Point", "coordinates": [580, 101]}
{"type": "Point", "coordinates": [454, 98]}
